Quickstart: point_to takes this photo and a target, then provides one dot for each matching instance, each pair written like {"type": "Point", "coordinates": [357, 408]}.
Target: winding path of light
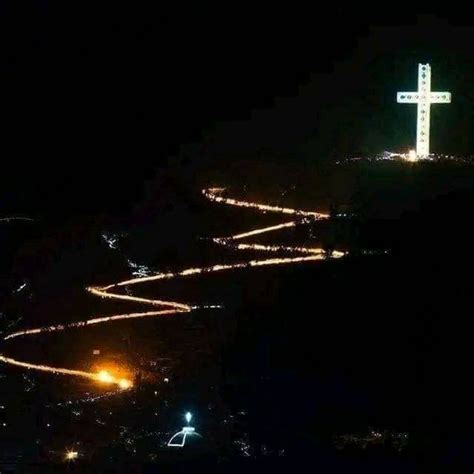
{"type": "Point", "coordinates": [304, 254]}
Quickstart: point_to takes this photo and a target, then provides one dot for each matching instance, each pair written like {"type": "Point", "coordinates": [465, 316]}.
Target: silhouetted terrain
{"type": "Point", "coordinates": [299, 355]}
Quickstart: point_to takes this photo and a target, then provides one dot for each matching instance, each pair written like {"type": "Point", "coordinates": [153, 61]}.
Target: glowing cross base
{"type": "Point", "coordinates": [424, 98]}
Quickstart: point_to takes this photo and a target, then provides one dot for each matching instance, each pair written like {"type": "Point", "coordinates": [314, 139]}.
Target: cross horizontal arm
{"type": "Point", "coordinates": [440, 97]}
{"type": "Point", "coordinates": [407, 97]}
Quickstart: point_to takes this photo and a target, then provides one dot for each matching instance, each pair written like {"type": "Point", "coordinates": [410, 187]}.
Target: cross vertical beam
{"type": "Point", "coordinates": [423, 114]}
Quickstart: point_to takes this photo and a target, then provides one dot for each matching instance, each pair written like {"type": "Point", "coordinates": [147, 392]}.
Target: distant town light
{"type": "Point", "coordinates": [71, 455]}
{"type": "Point", "coordinates": [412, 156]}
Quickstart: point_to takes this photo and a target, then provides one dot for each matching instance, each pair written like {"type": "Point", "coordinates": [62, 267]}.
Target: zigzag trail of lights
{"type": "Point", "coordinates": [304, 254]}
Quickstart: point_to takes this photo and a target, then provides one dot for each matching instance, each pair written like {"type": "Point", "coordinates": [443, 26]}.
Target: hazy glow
{"type": "Point", "coordinates": [125, 384]}
{"type": "Point", "coordinates": [303, 254]}
{"type": "Point", "coordinates": [71, 455]}
{"type": "Point", "coordinates": [188, 417]}
{"type": "Point", "coordinates": [423, 98]}
{"type": "Point", "coordinates": [104, 376]}
{"type": "Point", "coordinates": [412, 155]}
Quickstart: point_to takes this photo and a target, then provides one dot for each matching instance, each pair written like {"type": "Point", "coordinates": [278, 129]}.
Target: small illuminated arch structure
{"type": "Point", "coordinates": [187, 431]}
{"type": "Point", "coordinates": [178, 440]}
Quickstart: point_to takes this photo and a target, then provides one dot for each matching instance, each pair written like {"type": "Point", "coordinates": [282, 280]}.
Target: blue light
{"type": "Point", "coordinates": [188, 417]}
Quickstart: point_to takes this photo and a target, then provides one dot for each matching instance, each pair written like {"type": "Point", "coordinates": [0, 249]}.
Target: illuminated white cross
{"type": "Point", "coordinates": [424, 98]}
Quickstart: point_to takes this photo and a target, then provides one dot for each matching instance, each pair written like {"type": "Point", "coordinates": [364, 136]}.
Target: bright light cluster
{"type": "Point", "coordinates": [412, 156]}
{"type": "Point", "coordinates": [304, 254]}
{"type": "Point", "coordinates": [71, 455]}
{"type": "Point", "coordinates": [105, 377]}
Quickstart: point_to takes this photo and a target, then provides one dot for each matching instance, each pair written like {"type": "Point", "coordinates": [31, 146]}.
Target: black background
{"type": "Point", "coordinates": [103, 97]}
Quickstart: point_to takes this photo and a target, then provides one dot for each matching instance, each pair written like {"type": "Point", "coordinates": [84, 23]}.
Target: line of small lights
{"type": "Point", "coordinates": [214, 194]}
{"type": "Point", "coordinates": [408, 156]}
{"type": "Point", "coordinates": [16, 218]}
{"type": "Point", "coordinates": [307, 254]}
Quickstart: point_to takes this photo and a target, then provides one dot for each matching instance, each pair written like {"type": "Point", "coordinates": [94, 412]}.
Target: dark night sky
{"type": "Point", "coordinates": [121, 89]}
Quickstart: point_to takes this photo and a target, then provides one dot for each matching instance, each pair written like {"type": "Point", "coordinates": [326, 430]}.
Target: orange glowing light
{"type": "Point", "coordinates": [104, 376]}
{"type": "Point", "coordinates": [124, 384]}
